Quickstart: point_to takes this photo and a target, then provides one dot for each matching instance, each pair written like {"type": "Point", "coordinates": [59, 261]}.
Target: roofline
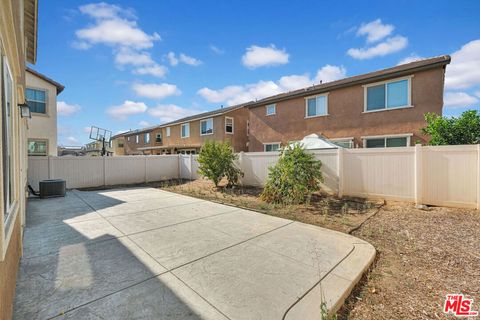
{"type": "Point", "coordinates": [355, 80]}
{"type": "Point", "coordinates": [200, 116]}
{"type": "Point", "coordinates": [59, 86]}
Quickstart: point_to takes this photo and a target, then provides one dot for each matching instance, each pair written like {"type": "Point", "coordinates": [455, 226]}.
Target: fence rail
{"type": "Point", "coordinates": [440, 175]}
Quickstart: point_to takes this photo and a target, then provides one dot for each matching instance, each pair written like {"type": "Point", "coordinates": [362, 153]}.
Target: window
{"type": "Point", "coordinates": [37, 147]}
{"type": "Point", "coordinates": [344, 143]}
{"type": "Point", "coordinates": [120, 144]}
{"type": "Point", "coordinates": [185, 130]}
{"type": "Point", "coordinates": [146, 137]}
{"type": "Point", "coordinates": [271, 109]}
{"type": "Point", "coordinates": [268, 147]}
{"type": "Point", "coordinates": [229, 125]}
{"type": "Point", "coordinates": [136, 139]}
{"type": "Point", "coordinates": [387, 142]}
{"type": "Point", "coordinates": [316, 106]}
{"type": "Point", "coordinates": [159, 137]}
{"type": "Point", "coordinates": [388, 95]}
{"type": "Point", "coordinates": [128, 138]}
{"type": "Point", "coordinates": [36, 100]}
{"type": "Point", "coordinates": [206, 127]}
{"type": "Point", "coordinates": [168, 131]}
{"type": "Point", "coordinates": [7, 140]}
{"type": "Point", "coordinates": [248, 127]}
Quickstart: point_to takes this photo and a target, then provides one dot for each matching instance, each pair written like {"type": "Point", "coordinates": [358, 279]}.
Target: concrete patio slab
{"type": "Point", "coordinates": [144, 253]}
{"type": "Point", "coordinates": [49, 285]}
{"type": "Point", "coordinates": [39, 241]}
{"type": "Point", "coordinates": [163, 297]}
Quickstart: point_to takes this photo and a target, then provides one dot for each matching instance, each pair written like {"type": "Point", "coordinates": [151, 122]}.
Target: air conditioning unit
{"type": "Point", "coordinates": [52, 188]}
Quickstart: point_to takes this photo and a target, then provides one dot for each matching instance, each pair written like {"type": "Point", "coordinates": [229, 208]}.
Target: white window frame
{"type": "Point", "coordinates": [316, 96]}
{"type": "Point", "coordinates": [401, 135]}
{"type": "Point", "coordinates": [233, 125]}
{"type": "Point", "coordinates": [38, 140]}
{"type": "Point", "coordinates": [274, 109]}
{"type": "Point", "coordinates": [181, 130]}
{"type": "Point", "coordinates": [137, 139]}
{"type": "Point", "coordinates": [349, 139]}
{"type": "Point", "coordinates": [409, 94]}
{"type": "Point", "coordinates": [205, 120]}
{"type": "Point", "coordinates": [168, 131]}
{"type": "Point", "coordinates": [271, 143]}
{"type": "Point", "coordinates": [9, 215]}
{"type": "Point", "coordinates": [146, 137]}
{"type": "Point", "coordinates": [128, 138]}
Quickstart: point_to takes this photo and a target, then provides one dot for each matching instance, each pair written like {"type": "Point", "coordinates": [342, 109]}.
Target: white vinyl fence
{"type": "Point", "coordinates": [440, 175]}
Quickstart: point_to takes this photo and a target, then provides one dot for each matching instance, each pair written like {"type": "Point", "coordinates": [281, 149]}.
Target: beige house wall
{"type": "Point", "coordinates": [12, 50]}
{"type": "Point", "coordinates": [44, 126]}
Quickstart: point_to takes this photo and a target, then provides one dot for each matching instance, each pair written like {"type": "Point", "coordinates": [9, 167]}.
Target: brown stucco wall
{"type": "Point", "coordinates": [346, 117]}
{"type": "Point", "coordinates": [8, 272]}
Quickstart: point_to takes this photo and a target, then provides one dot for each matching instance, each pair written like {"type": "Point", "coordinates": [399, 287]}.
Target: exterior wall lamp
{"type": "Point", "coordinates": [25, 110]}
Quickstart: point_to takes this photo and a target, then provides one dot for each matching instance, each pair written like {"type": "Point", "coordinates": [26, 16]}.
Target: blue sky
{"type": "Point", "coordinates": [129, 64]}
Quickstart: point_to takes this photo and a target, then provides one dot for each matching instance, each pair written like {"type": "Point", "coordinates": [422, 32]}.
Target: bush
{"type": "Point", "coordinates": [294, 178]}
{"type": "Point", "coordinates": [217, 160]}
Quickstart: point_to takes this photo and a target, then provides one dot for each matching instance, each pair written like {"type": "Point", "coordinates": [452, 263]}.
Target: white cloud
{"type": "Point", "coordinates": [81, 45]}
{"type": "Point", "coordinates": [128, 56]}
{"type": "Point", "coordinates": [216, 49]}
{"type": "Point", "coordinates": [117, 32]}
{"type": "Point", "coordinates": [72, 140]}
{"type": "Point", "coordinates": [477, 93]}
{"type": "Point", "coordinates": [257, 56]}
{"type": "Point", "coordinates": [221, 95]}
{"type": "Point", "coordinates": [155, 70]}
{"type": "Point", "coordinates": [170, 112]}
{"type": "Point", "coordinates": [156, 91]}
{"type": "Point", "coordinates": [464, 70]}
{"type": "Point", "coordinates": [174, 60]}
{"type": "Point", "coordinates": [375, 30]}
{"type": "Point", "coordinates": [458, 100]}
{"type": "Point", "coordinates": [104, 10]}
{"type": "Point", "coordinates": [144, 124]}
{"type": "Point", "coordinates": [87, 129]}
{"type": "Point", "coordinates": [65, 109]}
{"type": "Point", "coordinates": [390, 45]}
{"type": "Point", "coordinates": [126, 109]}
{"type": "Point", "coordinates": [235, 94]}
{"type": "Point", "coordinates": [330, 73]}
{"type": "Point", "coordinates": [411, 58]}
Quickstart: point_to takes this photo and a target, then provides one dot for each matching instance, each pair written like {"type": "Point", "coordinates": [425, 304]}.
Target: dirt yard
{"type": "Point", "coordinates": [421, 254]}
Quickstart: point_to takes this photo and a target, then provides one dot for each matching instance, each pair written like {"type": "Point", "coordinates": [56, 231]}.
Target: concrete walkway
{"type": "Point", "coordinates": [144, 253]}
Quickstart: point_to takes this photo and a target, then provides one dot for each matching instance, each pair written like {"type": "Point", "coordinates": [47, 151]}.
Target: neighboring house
{"type": "Point", "coordinates": [75, 151]}
{"type": "Point", "coordinates": [18, 45]}
{"type": "Point", "coordinates": [118, 144]}
{"type": "Point", "coordinates": [187, 135]}
{"type": "Point", "coordinates": [379, 109]}
{"type": "Point", "coordinates": [94, 149]}
{"type": "Point", "coordinates": [41, 97]}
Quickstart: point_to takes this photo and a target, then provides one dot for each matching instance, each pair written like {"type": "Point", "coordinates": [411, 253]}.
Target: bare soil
{"type": "Point", "coordinates": [421, 254]}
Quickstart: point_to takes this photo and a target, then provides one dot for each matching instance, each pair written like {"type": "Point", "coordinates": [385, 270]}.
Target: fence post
{"type": "Point", "coordinates": [418, 174]}
{"type": "Point", "coordinates": [340, 171]}
{"type": "Point", "coordinates": [478, 176]}
{"type": "Point", "coordinates": [104, 171]}
{"type": "Point", "coordinates": [49, 169]}
{"type": "Point", "coordinates": [145, 171]}
{"type": "Point", "coordinates": [179, 157]}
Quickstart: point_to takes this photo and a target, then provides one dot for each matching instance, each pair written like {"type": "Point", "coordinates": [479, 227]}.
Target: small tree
{"type": "Point", "coordinates": [464, 129]}
{"type": "Point", "coordinates": [295, 176]}
{"type": "Point", "coordinates": [217, 160]}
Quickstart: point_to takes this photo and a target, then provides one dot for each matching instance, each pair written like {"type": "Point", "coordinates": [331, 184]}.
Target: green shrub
{"type": "Point", "coordinates": [294, 177]}
{"type": "Point", "coordinates": [217, 160]}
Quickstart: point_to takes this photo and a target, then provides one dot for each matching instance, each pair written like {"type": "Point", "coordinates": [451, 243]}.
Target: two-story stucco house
{"type": "Point", "coordinates": [379, 109]}
{"type": "Point", "coordinates": [41, 97]}
{"type": "Point", "coordinates": [187, 135]}
{"type": "Point", "coordinates": [18, 45]}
